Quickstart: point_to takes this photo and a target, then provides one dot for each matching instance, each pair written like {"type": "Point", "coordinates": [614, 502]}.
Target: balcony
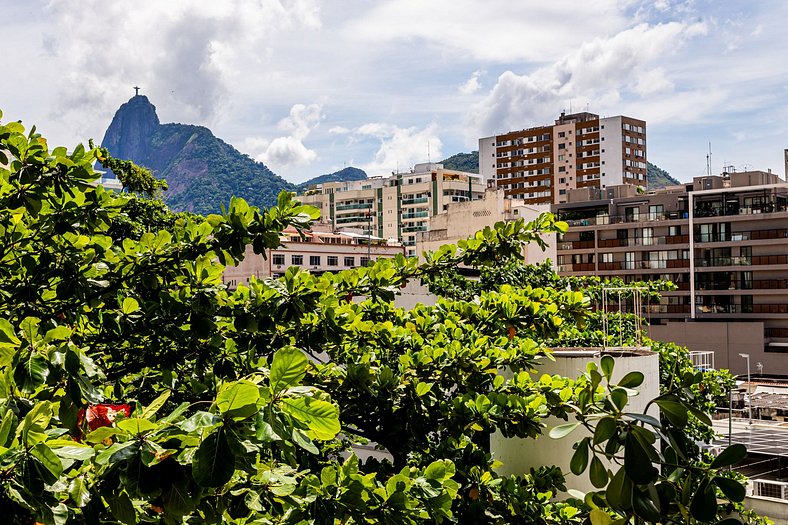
{"type": "Point", "coordinates": [355, 206]}
{"type": "Point", "coordinates": [418, 200]}
{"type": "Point", "coordinates": [353, 218]}
{"type": "Point", "coordinates": [704, 209]}
{"type": "Point", "coordinates": [755, 260]}
{"type": "Point", "coordinates": [415, 215]}
{"type": "Point", "coordinates": [409, 229]}
{"type": "Point", "coordinates": [739, 284]}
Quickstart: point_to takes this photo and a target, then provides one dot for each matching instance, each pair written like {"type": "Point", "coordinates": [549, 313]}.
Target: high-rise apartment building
{"type": "Point", "coordinates": [394, 207]}
{"type": "Point", "coordinates": [723, 240]}
{"type": "Point", "coordinates": [541, 164]}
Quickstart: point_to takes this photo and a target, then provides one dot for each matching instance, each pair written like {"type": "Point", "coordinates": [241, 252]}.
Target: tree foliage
{"type": "Point", "coordinates": [135, 387]}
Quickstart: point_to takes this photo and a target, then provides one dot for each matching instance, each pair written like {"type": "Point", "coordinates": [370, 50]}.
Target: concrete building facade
{"type": "Point", "coordinates": [540, 165]}
{"type": "Point", "coordinates": [723, 240]}
{"type": "Point", "coordinates": [395, 207]}
{"type": "Point", "coordinates": [462, 220]}
{"type": "Point", "coordinates": [320, 251]}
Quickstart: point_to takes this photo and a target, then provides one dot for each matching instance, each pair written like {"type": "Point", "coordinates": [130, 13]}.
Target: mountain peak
{"type": "Point", "coordinates": [133, 124]}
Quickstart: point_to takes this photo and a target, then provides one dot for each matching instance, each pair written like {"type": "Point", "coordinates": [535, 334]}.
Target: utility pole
{"type": "Point", "coordinates": [749, 394]}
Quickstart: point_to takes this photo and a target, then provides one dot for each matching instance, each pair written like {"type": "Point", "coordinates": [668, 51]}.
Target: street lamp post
{"type": "Point", "coordinates": [749, 394]}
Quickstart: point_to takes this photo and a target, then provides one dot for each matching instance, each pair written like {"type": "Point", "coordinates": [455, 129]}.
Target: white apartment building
{"type": "Point", "coordinates": [394, 207]}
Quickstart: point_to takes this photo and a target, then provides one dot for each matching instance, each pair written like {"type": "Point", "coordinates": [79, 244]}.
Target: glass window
{"type": "Point", "coordinates": [314, 260]}
{"type": "Point", "coordinates": [332, 260]}
{"type": "Point", "coordinates": [297, 260]}
{"type": "Point", "coordinates": [278, 258]}
{"type": "Point", "coordinates": [364, 261]}
{"type": "Point", "coordinates": [350, 261]}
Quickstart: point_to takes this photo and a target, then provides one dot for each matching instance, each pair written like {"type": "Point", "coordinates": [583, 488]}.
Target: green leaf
{"type": "Point", "coordinates": [675, 412]}
{"type": "Point", "coordinates": [579, 460]}
{"type": "Point", "coordinates": [619, 491]}
{"type": "Point", "coordinates": [424, 388]}
{"type": "Point", "coordinates": [645, 418]}
{"type": "Point", "coordinates": [31, 373]}
{"type": "Point", "coordinates": [287, 369]}
{"type": "Point", "coordinates": [598, 473]}
{"type": "Point", "coordinates": [600, 517]}
{"type": "Point", "coordinates": [137, 426]}
{"type": "Point", "coordinates": [320, 416]}
{"type": "Point", "coordinates": [78, 492]}
{"type": "Point", "coordinates": [703, 506]}
{"type": "Point", "coordinates": [562, 430]}
{"type": "Point", "coordinates": [703, 417]}
{"type": "Point", "coordinates": [734, 490]}
{"type": "Point", "coordinates": [59, 333]}
{"type": "Point", "coordinates": [122, 508]}
{"type": "Point", "coordinates": [606, 364]}
{"type": "Point", "coordinates": [214, 462]}
{"type": "Point", "coordinates": [155, 405]}
{"type": "Point", "coordinates": [644, 506]}
{"type": "Point", "coordinates": [238, 399]}
{"type": "Point", "coordinates": [730, 456]}
{"type": "Point", "coordinates": [48, 459]}
{"type": "Point", "coordinates": [632, 380]}
{"type": "Point", "coordinates": [636, 461]}
{"type": "Point", "coordinates": [605, 429]}
{"type": "Point", "coordinates": [130, 305]}
{"type": "Point", "coordinates": [301, 439]}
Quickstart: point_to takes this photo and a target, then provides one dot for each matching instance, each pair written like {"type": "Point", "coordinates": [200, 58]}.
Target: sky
{"type": "Point", "coordinates": [310, 86]}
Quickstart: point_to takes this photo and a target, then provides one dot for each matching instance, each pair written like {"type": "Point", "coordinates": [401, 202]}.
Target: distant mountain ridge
{"type": "Point", "coordinates": [656, 177]}
{"type": "Point", "coordinates": [344, 175]}
{"type": "Point", "coordinates": [202, 171]}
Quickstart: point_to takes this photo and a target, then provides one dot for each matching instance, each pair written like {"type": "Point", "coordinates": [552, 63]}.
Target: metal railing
{"type": "Point", "coordinates": [766, 488]}
{"type": "Point", "coordinates": [342, 207]}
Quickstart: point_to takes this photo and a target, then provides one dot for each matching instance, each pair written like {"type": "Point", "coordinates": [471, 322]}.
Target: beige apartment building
{"type": "Point", "coordinates": [462, 220]}
{"type": "Point", "coordinates": [397, 207]}
{"type": "Point", "coordinates": [320, 250]}
{"type": "Point", "coordinates": [723, 240]}
{"type": "Point", "coordinates": [540, 165]}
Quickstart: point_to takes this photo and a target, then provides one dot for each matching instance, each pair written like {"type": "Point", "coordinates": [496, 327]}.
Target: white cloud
{"type": "Point", "coordinates": [289, 150]}
{"type": "Point", "coordinates": [472, 85]}
{"type": "Point", "coordinates": [495, 30]}
{"type": "Point", "coordinates": [400, 148]}
{"type": "Point", "coordinates": [339, 130]}
{"type": "Point", "coordinates": [183, 54]}
{"type": "Point", "coordinates": [597, 72]}
{"type": "Point", "coordinates": [652, 82]}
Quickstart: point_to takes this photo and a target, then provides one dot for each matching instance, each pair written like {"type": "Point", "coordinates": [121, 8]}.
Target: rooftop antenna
{"type": "Point", "coordinates": [708, 161]}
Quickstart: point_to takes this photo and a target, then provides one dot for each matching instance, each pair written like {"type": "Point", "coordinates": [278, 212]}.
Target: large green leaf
{"type": "Point", "coordinates": [730, 456]}
{"type": "Point", "coordinates": [214, 462]}
{"type": "Point", "coordinates": [731, 488]}
{"type": "Point", "coordinates": [632, 380]}
{"type": "Point", "coordinates": [287, 369]}
{"type": "Point", "coordinates": [704, 503]}
{"type": "Point", "coordinates": [636, 461]}
{"type": "Point", "coordinates": [579, 460]}
{"type": "Point", "coordinates": [137, 426]}
{"type": "Point", "coordinates": [47, 458]}
{"type": "Point", "coordinates": [321, 417]}
{"type": "Point", "coordinates": [31, 372]}
{"type": "Point", "coordinates": [238, 399]}
{"type": "Point", "coordinates": [559, 431]}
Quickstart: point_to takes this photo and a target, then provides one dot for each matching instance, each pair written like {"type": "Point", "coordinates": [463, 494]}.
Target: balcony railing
{"type": "Point", "coordinates": [414, 229]}
{"type": "Point", "coordinates": [754, 260]}
{"type": "Point", "coordinates": [707, 211]}
{"type": "Point", "coordinates": [740, 284]}
{"type": "Point", "coordinates": [342, 207]}
{"type": "Point", "coordinates": [418, 200]}
{"type": "Point", "coordinates": [354, 218]}
{"type": "Point", "coordinates": [415, 215]}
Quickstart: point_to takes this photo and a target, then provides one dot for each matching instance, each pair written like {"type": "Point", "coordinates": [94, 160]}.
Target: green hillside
{"type": "Point", "coordinates": [658, 178]}
{"type": "Point", "coordinates": [202, 171]}
{"type": "Point", "coordinates": [468, 162]}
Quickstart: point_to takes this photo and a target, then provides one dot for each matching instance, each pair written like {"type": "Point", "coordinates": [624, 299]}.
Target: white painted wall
{"type": "Point", "coordinates": [611, 151]}
{"type": "Point", "coordinates": [519, 455]}
{"type": "Point", "coordinates": [487, 158]}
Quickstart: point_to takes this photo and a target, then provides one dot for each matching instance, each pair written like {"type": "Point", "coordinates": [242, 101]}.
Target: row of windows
{"type": "Point", "coordinates": [632, 127]}
{"type": "Point", "coordinates": [315, 260]}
